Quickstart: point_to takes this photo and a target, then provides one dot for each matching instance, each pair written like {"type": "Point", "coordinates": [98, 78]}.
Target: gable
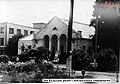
{"type": "Point", "coordinates": [54, 26]}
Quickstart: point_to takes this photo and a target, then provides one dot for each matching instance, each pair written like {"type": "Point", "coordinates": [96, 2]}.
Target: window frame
{"type": "Point", "coordinates": [2, 30]}
{"type": "Point", "coordinates": [1, 41]}
{"type": "Point", "coordinates": [11, 30]}
{"type": "Point", "coordinates": [25, 32]}
{"type": "Point", "coordinates": [18, 30]}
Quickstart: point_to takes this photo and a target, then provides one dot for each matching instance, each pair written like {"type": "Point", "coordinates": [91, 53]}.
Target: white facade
{"type": "Point", "coordinates": [26, 41]}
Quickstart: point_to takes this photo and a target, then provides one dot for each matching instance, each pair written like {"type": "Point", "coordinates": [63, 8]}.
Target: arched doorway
{"type": "Point", "coordinates": [54, 43]}
{"type": "Point", "coordinates": [62, 56]}
{"type": "Point", "coordinates": [63, 43]}
{"type": "Point", "coordinates": [46, 41]}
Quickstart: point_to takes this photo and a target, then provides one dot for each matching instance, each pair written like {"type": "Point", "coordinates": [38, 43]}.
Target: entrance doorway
{"type": "Point", "coordinates": [54, 43]}
{"type": "Point", "coordinates": [46, 41]}
{"type": "Point", "coordinates": [63, 43]}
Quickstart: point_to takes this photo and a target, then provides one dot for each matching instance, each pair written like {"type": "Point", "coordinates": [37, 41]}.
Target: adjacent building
{"type": "Point", "coordinates": [7, 30]}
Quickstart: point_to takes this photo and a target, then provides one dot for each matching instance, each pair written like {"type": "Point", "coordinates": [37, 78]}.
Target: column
{"type": "Point", "coordinates": [50, 44]}
{"type": "Point", "coordinates": [58, 48]}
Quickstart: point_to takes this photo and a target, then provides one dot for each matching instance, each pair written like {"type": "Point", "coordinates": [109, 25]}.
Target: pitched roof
{"type": "Point", "coordinates": [29, 37]}
{"type": "Point", "coordinates": [77, 26]}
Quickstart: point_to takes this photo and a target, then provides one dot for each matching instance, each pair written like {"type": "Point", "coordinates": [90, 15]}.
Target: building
{"type": "Point", "coordinates": [54, 35]}
{"type": "Point", "coordinates": [7, 30]}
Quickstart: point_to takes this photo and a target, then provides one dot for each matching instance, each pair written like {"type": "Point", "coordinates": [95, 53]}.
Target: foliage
{"type": "Point", "coordinates": [26, 56]}
{"type": "Point", "coordinates": [60, 73]}
{"type": "Point", "coordinates": [62, 57]}
{"type": "Point", "coordinates": [4, 58]}
{"type": "Point", "coordinates": [47, 70]}
{"type": "Point", "coordinates": [38, 54]}
{"type": "Point", "coordinates": [108, 24]}
{"type": "Point", "coordinates": [107, 60]}
{"type": "Point", "coordinates": [31, 72]}
{"type": "Point", "coordinates": [42, 53]}
{"type": "Point", "coordinates": [12, 46]}
{"type": "Point", "coordinates": [80, 59]}
{"type": "Point", "coordinates": [27, 67]}
{"type": "Point", "coordinates": [3, 67]}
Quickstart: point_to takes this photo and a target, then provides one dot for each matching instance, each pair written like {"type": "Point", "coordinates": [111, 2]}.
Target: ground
{"type": "Point", "coordinates": [95, 75]}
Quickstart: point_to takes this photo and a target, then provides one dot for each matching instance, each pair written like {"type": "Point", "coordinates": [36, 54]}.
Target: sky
{"type": "Point", "coordinates": [26, 12]}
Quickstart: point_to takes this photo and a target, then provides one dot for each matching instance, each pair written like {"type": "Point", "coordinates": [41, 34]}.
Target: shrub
{"type": "Point", "coordinates": [60, 73]}
{"type": "Point", "coordinates": [28, 67]}
{"type": "Point", "coordinates": [31, 72]}
{"type": "Point", "coordinates": [4, 58]}
{"type": "Point", "coordinates": [107, 60]}
{"type": "Point", "coordinates": [47, 70]}
{"type": "Point", "coordinates": [62, 57]}
{"type": "Point", "coordinates": [42, 53]}
{"type": "Point", "coordinates": [37, 54]}
{"type": "Point", "coordinates": [80, 59]}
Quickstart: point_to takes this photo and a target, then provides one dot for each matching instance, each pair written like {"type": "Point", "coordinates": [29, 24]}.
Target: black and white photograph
{"type": "Point", "coordinates": [60, 41]}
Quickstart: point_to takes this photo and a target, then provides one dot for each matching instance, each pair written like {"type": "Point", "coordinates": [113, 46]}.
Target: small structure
{"type": "Point", "coordinates": [25, 43]}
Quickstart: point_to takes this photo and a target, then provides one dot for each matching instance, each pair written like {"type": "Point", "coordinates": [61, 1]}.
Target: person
{"type": "Point", "coordinates": [83, 73]}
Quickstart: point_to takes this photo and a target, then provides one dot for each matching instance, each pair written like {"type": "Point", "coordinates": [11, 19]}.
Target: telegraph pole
{"type": "Point", "coordinates": [69, 43]}
{"type": "Point", "coordinates": [70, 28]}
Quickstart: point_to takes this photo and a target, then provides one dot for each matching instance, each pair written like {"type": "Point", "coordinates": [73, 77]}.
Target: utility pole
{"type": "Point", "coordinates": [69, 43]}
{"type": "Point", "coordinates": [70, 28]}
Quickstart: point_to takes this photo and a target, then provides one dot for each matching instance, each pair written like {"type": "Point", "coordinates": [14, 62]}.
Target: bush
{"type": "Point", "coordinates": [80, 59]}
{"type": "Point", "coordinates": [60, 73]}
{"type": "Point", "coordinates": [37, 54]}
{"type": "Point", "coordinates": [26, 56]}
{"type": "Point", "coordinates": [62, 57]}
{"type": "Point", "coordinates": [4, 58]}
{"type": "Point", "coordinates": [47, 69]}
{"type": "Point", "coordinates": [31, 72]}
{"type": "Point", "coordinates": [42, 53]}
{"type": "Point", "coordinates": [107, 60]}
{"type": "Point", "coordinates": [28, 66]}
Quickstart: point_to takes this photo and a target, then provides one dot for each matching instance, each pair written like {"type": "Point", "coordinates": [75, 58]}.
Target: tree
{"type": "Point", "coordinates": [80, 59]}
{"type": "Point", "coordinates": [107, 60]}
{"type": "Point", "coordinates": [12, 46]}
{"type": "Point", "coordinates": [108, 24]}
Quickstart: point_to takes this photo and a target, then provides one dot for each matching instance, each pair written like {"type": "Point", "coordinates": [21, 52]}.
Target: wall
{"type": "Point", "coordinates": [16, 26]}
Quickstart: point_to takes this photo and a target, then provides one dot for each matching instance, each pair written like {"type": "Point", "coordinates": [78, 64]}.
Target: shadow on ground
{"type": "Point", "coordinates": [86, 76]}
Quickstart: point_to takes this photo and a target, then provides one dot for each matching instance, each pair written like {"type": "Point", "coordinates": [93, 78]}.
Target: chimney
{"type": "Point", "coordinates": [79, 34]}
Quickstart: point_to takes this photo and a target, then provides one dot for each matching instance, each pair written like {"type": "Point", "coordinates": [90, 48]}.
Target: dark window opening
{"type": "Point", "coordinates": [25, 32]}
{"type": "Point", "coordinates": [11, 30]}
{"type": "Point", "coordinates": [1, 41]}
{"type": "Point", "coordinates": [18, 31]}
{"type": "Point", "coordinates": [2, 30]}
{"type": "Point", "coordinates": [31, 32]}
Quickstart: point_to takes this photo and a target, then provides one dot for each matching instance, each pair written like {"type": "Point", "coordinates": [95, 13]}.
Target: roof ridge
{"type": "Point", "coordinates": [18, 24]}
